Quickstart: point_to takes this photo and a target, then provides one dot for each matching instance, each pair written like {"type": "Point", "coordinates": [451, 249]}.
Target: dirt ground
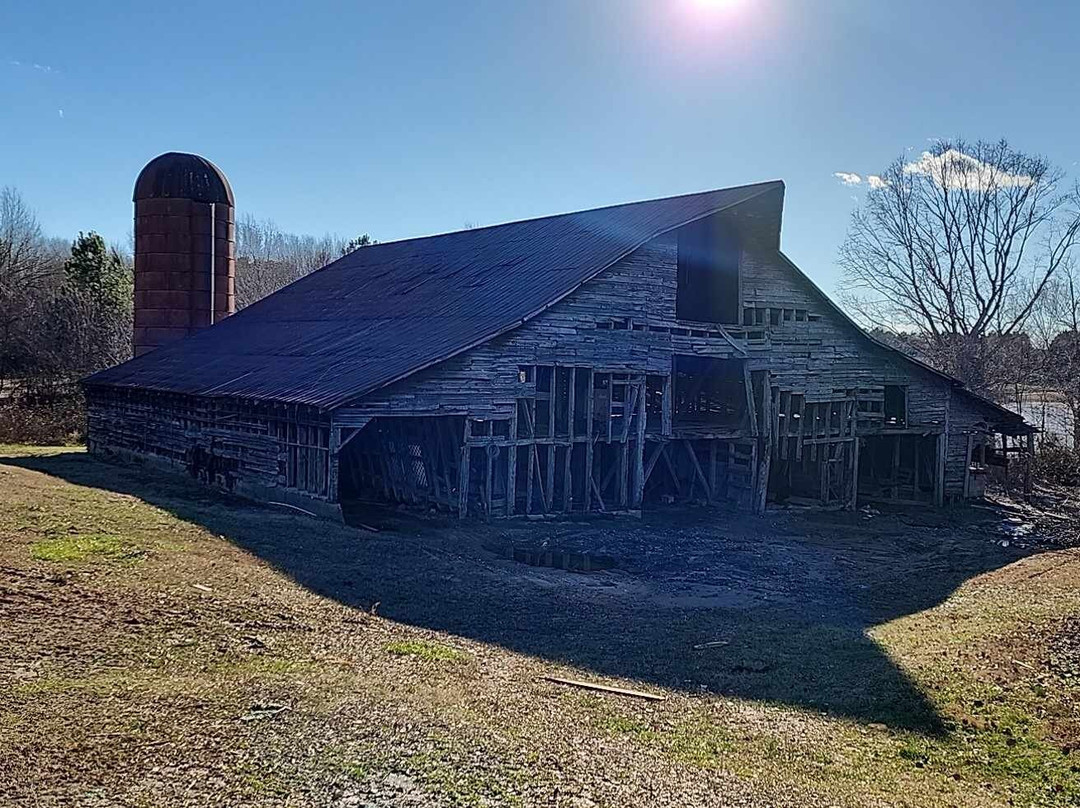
{"type": "Point", "coordinates": [161, 644]}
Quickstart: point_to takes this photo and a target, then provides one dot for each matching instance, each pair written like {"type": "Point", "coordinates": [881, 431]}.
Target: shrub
{"type": "Point", "coordinates": [1056, 463]}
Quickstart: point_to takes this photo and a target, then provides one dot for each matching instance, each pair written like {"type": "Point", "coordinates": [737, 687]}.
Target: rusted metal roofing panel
{"type": "Point", "coordinates": [386, 311]}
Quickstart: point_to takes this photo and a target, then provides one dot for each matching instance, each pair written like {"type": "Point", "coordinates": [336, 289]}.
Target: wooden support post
{"type": "Point", "coordinates": [651, 463]}
{"type": "Point", "coordinates": [751, 407]}
{"type": "Point", "coordinates": [671, 470]}
{"type": "Point", "coordinates": [549, 484]}
{"type": "Point", "coordinates": [764, 444]}
{"type": "Point", "coordinates": [334, 464]}
{"type": "Point", "coordinates": [531, 462]}
{"type": "Point", "coordinates": [589, 401]}
{"type": "Point", "coordinates": [568, 479]}
{"type": "Point", "coordinates": [639, 449]}
{"type": "Point", "coordinates": [697, 469]}
{"type": "Point", "coordinates": [463, 471]}
{"type": "Point", "coordinates": [665, 410]}
{"type": "Point", "coordinates": [489, 473]}
{"type": "Point", "coordinates": [714, 494]}
{"type": "Point", "coordinates": [511, 466]}
{"type": "Point", "coordinates": [853, 503]}
{"type": "Point", "coordinates": [943, 452]}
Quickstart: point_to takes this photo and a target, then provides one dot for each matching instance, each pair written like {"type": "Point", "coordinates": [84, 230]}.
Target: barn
{"type": "Point", "coordinates": [603, 361]}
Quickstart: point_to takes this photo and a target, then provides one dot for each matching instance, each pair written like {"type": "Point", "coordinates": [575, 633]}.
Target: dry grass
{"type": "Point", "coordinates": [161, 647]}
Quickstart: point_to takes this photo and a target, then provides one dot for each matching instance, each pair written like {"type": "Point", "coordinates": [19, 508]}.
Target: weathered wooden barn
{"type": "Point", "coordinates": [601, 361]}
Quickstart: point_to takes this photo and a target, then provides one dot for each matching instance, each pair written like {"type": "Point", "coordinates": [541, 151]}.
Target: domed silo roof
{"type": "Point", "coordinates": [176, 175]}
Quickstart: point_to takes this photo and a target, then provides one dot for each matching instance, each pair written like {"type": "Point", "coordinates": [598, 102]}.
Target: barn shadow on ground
{"type": "Point", "coordinates": [801, 589]}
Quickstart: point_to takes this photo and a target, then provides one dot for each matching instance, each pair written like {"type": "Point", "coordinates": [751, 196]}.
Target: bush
{"type": "Point", "coordinates": [1056, 463]}
{"type": "Point", "coordinates": [56, 420]}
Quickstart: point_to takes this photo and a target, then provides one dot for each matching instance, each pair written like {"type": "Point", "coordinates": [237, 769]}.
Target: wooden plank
{"type": "Point", "coordinates": [511, 466]}
{"type": "Point", "coordinates": [530, 462]}
{"type": "Point", "coordinates": [568, 488]}
{"type": "Point", "coordinates": [651, 463]}
{"type": "Point", "coordinates": [665, 413]}
{"type": "Point", "coordinates": [621, 691]}
{"type": "Point", "coordinates": [697, 469]}
{"type": "Point", "coordinates": [489, 473]}
{"type": "Point", "coordinates": [751, 407]}
{"type": "Point", "coordinates": [639, 449]}
{"type": "Point", "coordinates": [549, 483]}
{"type": "Point", "coordinates": [764, 458]}
{"type": "Point", "coordinates": [589, 401]}
{"type": "Point", "coordinates": [943, 451]}
{"type": "Point", "coordinates": [463, 471]}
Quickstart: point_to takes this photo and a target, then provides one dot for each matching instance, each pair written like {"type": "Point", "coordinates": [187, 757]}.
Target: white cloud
{"type": "Point", "coordinates": [877, 182]}
{"type": "Point", "coordinates": [33, 66]}
{"type": "Point", "coordinates": [954, 169]}
{"type": "Point", "coordinates": [847, 177]}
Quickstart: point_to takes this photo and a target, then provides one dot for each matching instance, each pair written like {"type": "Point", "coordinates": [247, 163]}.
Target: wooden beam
{"type": "Point", "coordinates": [697, 469]}
{"type": "Point", "coordinates": [568, 480]}
{"type": "Point", "coordinates": [589, 401]}
{"type": "Point", "coordinates": [463, 471]}
{"type": "Point", "coordinates": [511, 466]}
{"type": "Point", "coordinates": [651, 463]}
{"type": "Point", "coordinates": [639, 449]}
{"type": "Point", "coordinates": [665, 411]}
{"type": "Point", "coordinates": [764, 447]}
{"type": "Point", "coordinates": [751, 407]}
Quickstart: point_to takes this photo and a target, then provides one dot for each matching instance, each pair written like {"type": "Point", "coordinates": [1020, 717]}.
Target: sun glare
{"type": "Point", "coordinates": [715, 5]}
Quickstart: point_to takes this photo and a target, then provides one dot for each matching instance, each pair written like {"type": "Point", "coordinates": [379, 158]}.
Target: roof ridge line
{"type": "Point", "coordinates": [532, 219]}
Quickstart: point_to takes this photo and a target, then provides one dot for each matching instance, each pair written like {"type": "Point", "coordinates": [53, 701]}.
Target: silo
{"type": "Point", "coordinates": [185, 249]}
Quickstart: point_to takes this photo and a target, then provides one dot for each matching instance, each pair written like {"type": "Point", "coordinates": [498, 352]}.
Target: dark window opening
{"type": "Point", "coordinates": [709, 393]}
{"type": "Point", "coordinates": [895, 405]}
{"type": "Point", "coordinates": [708, 273]}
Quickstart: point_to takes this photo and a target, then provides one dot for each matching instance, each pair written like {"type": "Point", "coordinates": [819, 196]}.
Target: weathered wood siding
{"type": "Point", "coordinates": [262, 450]}
{"type": "Point", "coordinates": [624, 320]}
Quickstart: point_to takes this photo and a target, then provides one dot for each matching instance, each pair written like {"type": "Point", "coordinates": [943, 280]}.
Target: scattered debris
{"type": "Point", "coordinates": [259, 711]}
{"type": "Point", "coordinates": [202, 587]}
{"type": "Point", "coordinates": [291, 507]}
{"type": "Point", "coordinates": [555, 557]}
{"type": "Point", "coordinates": [605, 688]}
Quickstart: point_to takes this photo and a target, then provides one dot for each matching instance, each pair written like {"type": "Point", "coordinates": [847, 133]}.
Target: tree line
{"type": "Point", "coordinates": [66, 308]}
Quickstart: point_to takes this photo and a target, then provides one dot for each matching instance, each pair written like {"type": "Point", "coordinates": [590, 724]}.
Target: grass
{"type": "Point", "coordinates": [93, 546]}
{"type": "Point", "coordinates": [426, 650]}
{"type": "Point", "coordinates": [91, 650]}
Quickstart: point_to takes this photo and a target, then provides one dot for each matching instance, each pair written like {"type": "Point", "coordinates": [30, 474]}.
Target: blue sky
{"type": "Point", "coordinates": [410, 117]}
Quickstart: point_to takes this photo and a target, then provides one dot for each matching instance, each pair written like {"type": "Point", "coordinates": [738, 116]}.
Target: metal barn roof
{"type": "Point", "coordinates": [386, 311]}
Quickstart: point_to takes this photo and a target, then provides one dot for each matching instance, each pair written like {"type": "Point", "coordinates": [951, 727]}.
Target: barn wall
{"type": "Point", "coordinates": [624, 320]}
{"type": "Point", "coordinates": [264, 451]}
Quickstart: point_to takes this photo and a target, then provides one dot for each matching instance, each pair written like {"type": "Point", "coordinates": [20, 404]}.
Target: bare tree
{"type": "Point", "coordinates": [30, 269]}
{"type": "Point", "coordinates": [268, 258]}
{"type": "Point", "coordinates": [958, 246]}
{"type": "Point", "coordinates": [1055, 329]}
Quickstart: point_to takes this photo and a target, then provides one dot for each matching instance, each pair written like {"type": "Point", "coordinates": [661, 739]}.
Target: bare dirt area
{"type": "Point", "coordinates": [161, 644]}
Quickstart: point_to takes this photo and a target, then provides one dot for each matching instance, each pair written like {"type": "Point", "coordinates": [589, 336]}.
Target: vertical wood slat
{"type": "Point", "coordinates": [568, 487]}
{"type": "Point", "coordinates": [463, 471]}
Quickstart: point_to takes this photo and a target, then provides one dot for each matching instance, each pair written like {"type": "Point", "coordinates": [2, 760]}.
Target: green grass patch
{"type": "Point", "coordinates": [84, 547]}
{"type": "Point", "coordinates": [430, 651]}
